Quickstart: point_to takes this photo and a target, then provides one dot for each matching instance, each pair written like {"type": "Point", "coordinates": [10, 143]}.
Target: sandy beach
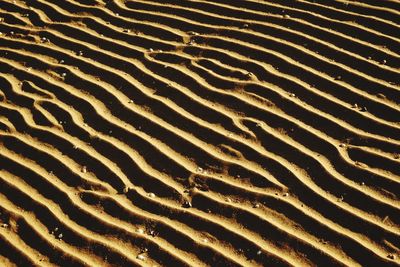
{"type": "Point", "coordinates": [199, 133]}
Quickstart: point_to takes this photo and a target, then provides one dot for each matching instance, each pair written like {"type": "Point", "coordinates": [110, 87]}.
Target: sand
{"type": "Point", "coordinates": [199, 133]}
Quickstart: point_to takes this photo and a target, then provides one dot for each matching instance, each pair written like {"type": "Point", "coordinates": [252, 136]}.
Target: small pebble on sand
{"type": "Point", "coordinates": [187, 204]}
{"type": "Point", "coordinates": [381, 96]}
{"type": "Point", "coordinates": [391, 256]}
{"type": "Point", "coordinates": [84, 169]}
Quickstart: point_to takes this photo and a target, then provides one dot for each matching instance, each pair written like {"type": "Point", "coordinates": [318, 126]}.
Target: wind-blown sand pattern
{"type": "Point", "coordinates": [199, 133]}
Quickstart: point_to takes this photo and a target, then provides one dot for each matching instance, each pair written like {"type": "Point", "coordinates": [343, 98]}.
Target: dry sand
{"type": "Point", "coordinates": [199, 133]}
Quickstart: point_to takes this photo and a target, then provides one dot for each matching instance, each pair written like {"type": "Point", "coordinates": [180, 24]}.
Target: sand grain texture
{"type": "Point", "coordinates": [199, 133]}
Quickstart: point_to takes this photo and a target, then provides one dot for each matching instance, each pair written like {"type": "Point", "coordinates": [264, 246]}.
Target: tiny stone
{"type": "Point", "coordinates": [342, 145]}
{"type": "Point", "coordinates": [200, 169]}
{"type": "Point", "coordinates": [363, 109]}
{"type": "Point", "coordinates": [384, 61]}
{"type": "Point", "coordinates": [362, 183]}
{"type": "Point", "coordinates": [63, 74]}
{"type": "Point", "coordinates": [151, 194]}
{"type": "Point", "coordinates": [259, 252]}
{"type": "Point", "coordinates": [4, 225]}
{"type": "Point", "coordinates": [127, 30]}
{"type": "Point", "coordinates": [140, 231]}
{"type": "Point", "coordinates": [61, 61]}
{"type": "Point", "coordinates": [11, 32]}
{"type": "Point", "coordinates": [151, 50]}
{"type": "Point", "coordinates": [338, 77]}
{"type": "Point", "coordinates": [116, 14]}
{"type": "Point", "coordinates": [130, 101]}
{"type": "Point", "coordinates": [292, 95]}
{"type": "Point", "coordinates": [187, 204]}
{"type": "Point", "coordinates": [228, 200]}
{"type": "Point", "coordinates": [354, 105]}
{"type": "Point", "coordinates": [380, 95]}
{"type": "Point", "coordinates": [245, 25]}
{"type": "Point", "coordinates": [362, 165]}
{"type": "Point", "coordinates": [286, 16]}
{"type": "Point", "coordinates": [391, 256]}
{"type": "Point", "coordinates": [256, 206]}
{"type": "Point", "coordinates": [60, 236]}
{"type": "Point", "coordinates": [286, 194]}
{"type": "Point", "coordinates": [84, 169]}
{"type": "Point", "coordinates": [141, 257]}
